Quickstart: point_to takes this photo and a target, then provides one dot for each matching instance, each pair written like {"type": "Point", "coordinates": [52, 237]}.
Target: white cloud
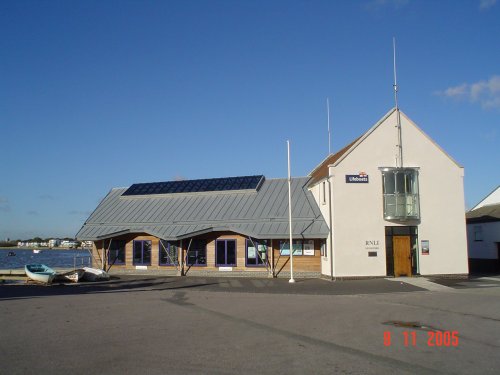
{"type": "Point", "coordinates": [486, 93]}
{"type": "Point", "coordinates": [457, 91]}
{"type": "Point", "coordinates": [486, 4]}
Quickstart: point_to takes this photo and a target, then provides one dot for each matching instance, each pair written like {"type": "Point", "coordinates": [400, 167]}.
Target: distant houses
{"type": "Point", "coordinates": [32, 244]}
{"type": "Point", "coordinates": [69, 244]}
{"type": "Point", "coordinates": [56, 243]}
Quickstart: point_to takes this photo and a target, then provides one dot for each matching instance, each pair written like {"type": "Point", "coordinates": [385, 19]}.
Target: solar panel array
{"type": "Point", "coordinates": [196, 186]}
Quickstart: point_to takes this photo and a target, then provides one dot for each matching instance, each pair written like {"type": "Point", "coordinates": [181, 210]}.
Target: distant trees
{"type": "Point", "coordinates": [8, 243]}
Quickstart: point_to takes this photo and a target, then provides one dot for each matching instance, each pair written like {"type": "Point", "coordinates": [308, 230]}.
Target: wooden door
{"type": "Point", "coordinates": [402, 255]}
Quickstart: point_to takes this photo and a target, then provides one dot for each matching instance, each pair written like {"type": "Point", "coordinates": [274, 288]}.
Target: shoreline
{"type": "Point", "coordinates": [43, 248]}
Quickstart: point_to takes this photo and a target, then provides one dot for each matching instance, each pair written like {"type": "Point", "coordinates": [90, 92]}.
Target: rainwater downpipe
{"type": "Point", "coordinates": [102, 259]}
{"type": "Point", "coordinates": [330, 204]}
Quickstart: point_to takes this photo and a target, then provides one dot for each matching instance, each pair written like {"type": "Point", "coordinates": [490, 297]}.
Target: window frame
{"type": "Point", "coordinates": [162, 243]}
{"type": "Point", "coordinates": [323, 192]}
{"type": "Point", "coordinates": [197, 250]}
{"type": "Point", "coordinates": [142, 263]}
{"type": "Point", "coordinates": [478, 233]}
{"type": "Point", "coordinates": [257, 258]}
{"type": "Point", "coordinates": [295, 242]}
{"type": "Point", "coordinates": [115, 247]}
{"type": "Point", "coordinates": [323, 250]}
{"type": "Point", "coordinates": [400, 191]}
{"type": "Point", "coordinates": [225, 241]}
{"type": "Point", "coordinates": [304, 250]}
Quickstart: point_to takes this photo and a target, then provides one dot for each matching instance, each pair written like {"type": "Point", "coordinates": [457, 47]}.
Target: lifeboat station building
{"type": "Point", "coordinates": [236, 225]}
{"type": "Point", "coordinates": [391, 203]}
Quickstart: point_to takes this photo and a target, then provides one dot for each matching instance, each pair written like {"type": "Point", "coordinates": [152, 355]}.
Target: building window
{"type": "Point", "coordinates": [478, 233]}
{"type": "Point", "coordinates": [116, 254]}
{"type": "Point", "coordinates": [298, 246]}
{"type": "Point", "coordinates": [323, 191]}
{"type": "Point", "coordinates": [323, 248]}
{"type": "Point", "coordinates": [256, 253]}
{"type": "Point", "coordinates": [168, 253]}
{"type": "Point", "coordinates": [308, 247]}
{"type": "Point", "coordinates": [197, 253]}
{"type": "Point", "coordinates": [142, 253]}
{"type": "Point", "coordinates": [401, 198]}
{"type": "Point", "coordinates": [225, 253]}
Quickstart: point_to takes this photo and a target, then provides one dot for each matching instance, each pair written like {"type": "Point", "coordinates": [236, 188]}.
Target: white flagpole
{"type": "Point", "coordinates": [290, 214]}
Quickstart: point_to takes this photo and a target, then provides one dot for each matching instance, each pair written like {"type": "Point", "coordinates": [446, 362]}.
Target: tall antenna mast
{"type": "Point", "coordinates": [399, 145]}
{"type": "Point", "coordinates": [395, 85]}
{"type": "Point", "coordinates": [329, 134]}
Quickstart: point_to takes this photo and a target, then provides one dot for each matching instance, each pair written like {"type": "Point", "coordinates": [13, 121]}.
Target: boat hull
{"type": "Point", "coordinates": [72, 276]}
{"type": "Point", "coordinates": [40, 273]}
{"type": "Point", "coordinates": [94, 274]}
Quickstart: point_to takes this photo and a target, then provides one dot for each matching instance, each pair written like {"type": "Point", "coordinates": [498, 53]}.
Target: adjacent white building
{"type": "Point", "coordinates": [483, 234]}
{"type": "Point", "coordinates": [394, 202]}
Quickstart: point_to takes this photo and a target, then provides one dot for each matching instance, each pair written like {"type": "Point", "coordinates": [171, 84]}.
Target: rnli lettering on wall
{"type": "Point", "coordinates": [372, 244]}
{"type": "Point", "coordinates": [361, 178]}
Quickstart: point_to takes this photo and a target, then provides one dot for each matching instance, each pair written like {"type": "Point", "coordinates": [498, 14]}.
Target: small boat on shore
{"type": "Point", "coordinates": [95, 274]}
{"type": "Point", "coordinates": [72, 276]}
{"type": "Point", "coordinates": [40, 273]}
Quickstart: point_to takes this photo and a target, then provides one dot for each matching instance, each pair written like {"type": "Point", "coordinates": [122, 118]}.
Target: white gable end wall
{"type": "Point", "coordinates": [359, 225]}
{"type": "Point", "coordinates": [442, 204]}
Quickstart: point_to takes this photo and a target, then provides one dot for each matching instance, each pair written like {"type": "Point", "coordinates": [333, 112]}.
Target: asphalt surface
{"type": "Point", "coordinates": [222, 284]}
{"type": "Point", "coordinates": [145, 325]}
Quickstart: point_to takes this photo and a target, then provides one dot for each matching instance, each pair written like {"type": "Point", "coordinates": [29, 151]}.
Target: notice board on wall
{"type": "Point", "coordinates": [425, 247]}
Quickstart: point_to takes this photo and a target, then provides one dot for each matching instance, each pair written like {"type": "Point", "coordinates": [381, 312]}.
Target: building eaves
{"type": "Point", "coordinates": [484, 214]}
{"type": "Point", "coordinates": [485, 198]}
{"type": "Point", "coordinates": [321, 171]}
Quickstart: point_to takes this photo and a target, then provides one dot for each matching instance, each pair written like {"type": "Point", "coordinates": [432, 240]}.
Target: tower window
{"type": "Point", "coordinates": [401, 198]}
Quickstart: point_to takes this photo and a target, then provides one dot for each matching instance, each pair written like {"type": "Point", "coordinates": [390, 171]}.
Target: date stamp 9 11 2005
{"type": "Point", "coordinates": [434, 338]}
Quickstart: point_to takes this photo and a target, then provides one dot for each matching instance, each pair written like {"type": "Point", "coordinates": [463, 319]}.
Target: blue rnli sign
{"type": "Point", "coordinates": [361, 178]}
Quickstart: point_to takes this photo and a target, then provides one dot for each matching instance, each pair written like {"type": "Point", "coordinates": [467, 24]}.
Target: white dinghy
{"type": "Point", "coordinates": [95, 274]}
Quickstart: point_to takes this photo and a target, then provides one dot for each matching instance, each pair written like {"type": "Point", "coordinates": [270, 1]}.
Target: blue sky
{"type": "Point", "coordinates": [100, 94]}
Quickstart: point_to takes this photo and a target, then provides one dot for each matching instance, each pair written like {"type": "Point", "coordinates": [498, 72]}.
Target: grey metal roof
{"type": "Point", "coordinates": [259, 214]}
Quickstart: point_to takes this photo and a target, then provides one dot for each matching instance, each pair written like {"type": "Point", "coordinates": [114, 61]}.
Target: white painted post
{"type": "Point", "coordinates": [290, 214]}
